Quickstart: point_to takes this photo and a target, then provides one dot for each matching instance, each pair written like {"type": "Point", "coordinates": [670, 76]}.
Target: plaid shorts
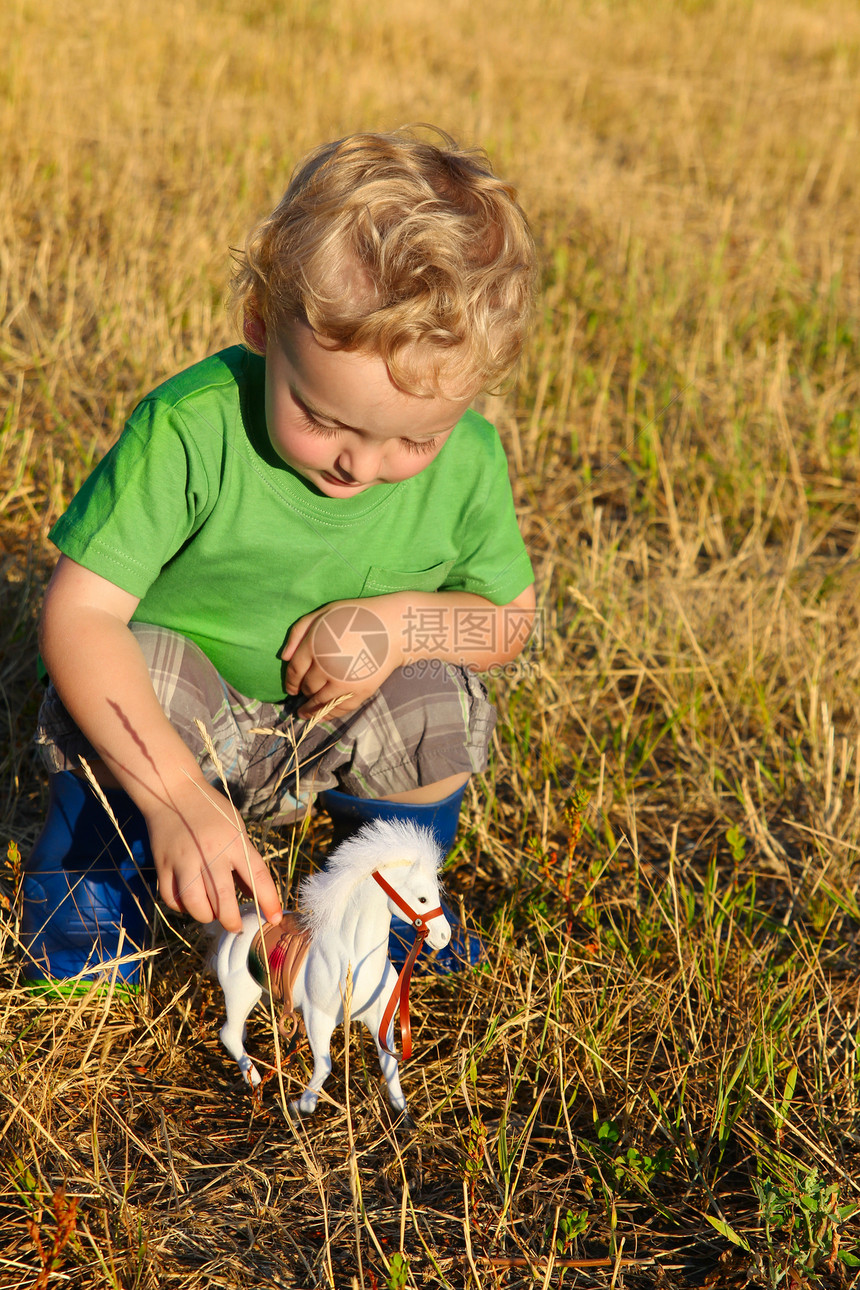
{"type": "Point", "coordinates": [424, 723]}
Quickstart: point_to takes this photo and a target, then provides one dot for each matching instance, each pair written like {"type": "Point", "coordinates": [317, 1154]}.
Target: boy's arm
{"type": "Point", "coordinates": [453, 626]}
{"type": "Point", "coordinates": [198, 840]}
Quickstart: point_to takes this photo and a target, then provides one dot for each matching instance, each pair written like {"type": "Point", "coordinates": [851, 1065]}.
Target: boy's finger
{"type": "Point", "coordinates": [349, 703]}
{"type": "Point", "coordinates": [297, 671]}
{"type": "Point", "coordinates": [208, 892]}
{"type": "Point", "coordinates": [296, 635]}
{"type": "Point", "coordinates": [225, 907]}
{"type": "Point", "coordinates": [318, 698]}
{"type": "Point", "coordinates": [195, 901]}
{"type": "Point", "coordinates": [267, 893]}
{"type": "Point", "coordinates": [168, 893]}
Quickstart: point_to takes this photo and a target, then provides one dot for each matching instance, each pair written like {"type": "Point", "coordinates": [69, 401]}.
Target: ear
{"type": "Point", "coordinates": [254, 329]}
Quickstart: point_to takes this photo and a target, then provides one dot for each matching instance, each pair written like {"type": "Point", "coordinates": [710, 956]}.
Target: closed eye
{"type": "Point", "coordinates": [317, 427]}
{"type": "Point", "coordinates": [420, 446]}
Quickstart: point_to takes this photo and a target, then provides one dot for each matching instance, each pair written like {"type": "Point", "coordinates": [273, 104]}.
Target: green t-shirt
{"type": "Point", "coordinates": [194, 513]}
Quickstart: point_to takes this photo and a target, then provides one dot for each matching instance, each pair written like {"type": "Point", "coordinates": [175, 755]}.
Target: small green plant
{"type": "Point", "coordinates": [474, 1162]}
{"type": "Point", "coordinates": [570, 1226]}
{"type": "Point", "coordinates": [608, 1134]}
{"type": "Point", "coordinates": [50, 1245]}
{"type": "Point", "coordinates": [737, 843]}
{"type": "Point", "coordinates": [398, 1272]}
{"type": "Point", "coordinates": [557, 875]}
{"type": "Point", "coordinates": [13, 867]}
{"type": "Point", "coordinates": [628, 1169]}
{"type": "Point", "coordinates": [808, 1212]}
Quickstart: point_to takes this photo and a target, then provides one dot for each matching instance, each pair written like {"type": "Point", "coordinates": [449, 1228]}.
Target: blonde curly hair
{"type": "Point", "coordinates": [403, 248]}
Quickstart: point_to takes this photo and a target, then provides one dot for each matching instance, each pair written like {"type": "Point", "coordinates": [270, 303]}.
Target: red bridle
{"type": "Point", "coordinates": [401, 989]}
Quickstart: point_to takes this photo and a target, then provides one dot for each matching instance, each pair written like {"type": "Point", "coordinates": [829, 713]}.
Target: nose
{"type": "Point", "coordinates": [444, 930]}
{"type": "Point", "coordinates": [362, 462]}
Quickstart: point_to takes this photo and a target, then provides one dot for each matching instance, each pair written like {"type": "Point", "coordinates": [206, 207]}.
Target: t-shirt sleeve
{"type": "Point", "coordinates": [140, 504]}
{"type": "Point", "coordinates": [493, 560]}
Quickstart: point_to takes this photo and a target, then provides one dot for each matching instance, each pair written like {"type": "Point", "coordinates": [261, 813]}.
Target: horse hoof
{"type": "Point", "coordinates": [403, 1122]}
{"type": "Point", "coordinates": [252, 1077]}
{"type": "Point", "coordinates": [300, 1112]}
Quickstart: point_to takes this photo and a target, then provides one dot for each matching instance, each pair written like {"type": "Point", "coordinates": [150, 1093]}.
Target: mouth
{"type": "Point", "coordinates": [340, 483]}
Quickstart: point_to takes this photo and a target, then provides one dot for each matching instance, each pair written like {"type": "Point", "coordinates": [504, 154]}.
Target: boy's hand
{"type": "Point", "coordinates": [200, 846]}
{"type": "Point", "coordinates": [344, 650]}
{"type": "Point", "coordinates": [350, 647]}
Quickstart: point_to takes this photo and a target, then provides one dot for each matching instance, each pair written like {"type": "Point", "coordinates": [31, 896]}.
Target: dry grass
{"type": "Point", "coordinates": [656, 1082]}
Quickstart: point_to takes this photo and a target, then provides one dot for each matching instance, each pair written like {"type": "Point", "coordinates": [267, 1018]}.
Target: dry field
{"type": "Point", "coordinates": [656, 1081]}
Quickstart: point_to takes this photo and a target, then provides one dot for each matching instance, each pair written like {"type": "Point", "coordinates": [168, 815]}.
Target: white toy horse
{"type": "Point", "coordinates": [344, 914]}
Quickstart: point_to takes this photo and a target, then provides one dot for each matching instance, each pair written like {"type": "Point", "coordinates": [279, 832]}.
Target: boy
{"type": "Point", "coordinates": [313, 519]}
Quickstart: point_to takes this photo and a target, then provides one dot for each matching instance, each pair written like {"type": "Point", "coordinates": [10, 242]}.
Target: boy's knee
{"type": "Point", "coordinates": [428, 722]}
{"type": "Point", "coordinates": [177, 667]}
{"type": "Point", "coordinates": [452, 701]}
{"type": "Point", "coordinates": [434, 683]}
{"type": "Point", "coordinates": [187, 685]}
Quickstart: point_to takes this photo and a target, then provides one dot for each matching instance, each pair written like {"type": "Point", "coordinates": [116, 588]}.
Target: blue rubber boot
{"type": "Point", "coordinates": [465, 949]}
{"type": "Point", "coordinates": [80, 884]}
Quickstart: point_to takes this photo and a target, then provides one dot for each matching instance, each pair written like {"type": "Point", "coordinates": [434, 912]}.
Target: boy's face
{"type": "Point", "coordinates": [339, 420]}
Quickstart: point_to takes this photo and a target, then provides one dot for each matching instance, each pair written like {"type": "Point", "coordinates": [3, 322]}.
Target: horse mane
{"type": "Point", "coordinates": [324, 897]}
